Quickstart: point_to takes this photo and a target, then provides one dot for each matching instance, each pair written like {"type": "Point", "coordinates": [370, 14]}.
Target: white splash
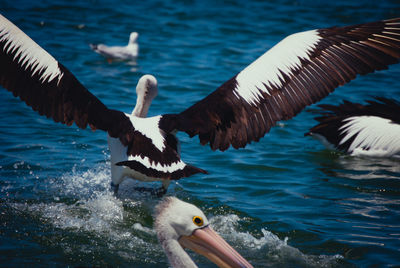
{"type": "Point", "coordinates": [268, 246]}
{"type": "Point", "coordinates": [93, 212]}
{"type": "Point", "coordinates": [139, 227]}
{"type": "Point", "coordinates": [95, 207]}
{"type": "Point", "coordinates": [84, 184]}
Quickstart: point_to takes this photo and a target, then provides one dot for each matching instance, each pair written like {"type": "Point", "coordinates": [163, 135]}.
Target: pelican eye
{"type": "Point", "coordinates": [198, 220]}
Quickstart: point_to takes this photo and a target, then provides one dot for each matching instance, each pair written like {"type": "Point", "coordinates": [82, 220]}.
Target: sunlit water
{"type": "Point", "coordinates": [284, 201]}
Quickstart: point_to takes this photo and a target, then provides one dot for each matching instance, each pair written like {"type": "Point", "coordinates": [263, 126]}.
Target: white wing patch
{"type": "Point", "coordinates": [149, 127]}
{"type": "Point", "coordinates": [27, 53]}
{"type": "Point", "coordinates": [283, 57]}
{"type": "Point", "coordinates": [157, 166]}
{"type": "Point", "coordinates": [377, 135]}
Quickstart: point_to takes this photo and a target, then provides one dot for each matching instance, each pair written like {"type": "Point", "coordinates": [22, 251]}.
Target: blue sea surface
{"type": "Point", "coordinates": [285, 201]}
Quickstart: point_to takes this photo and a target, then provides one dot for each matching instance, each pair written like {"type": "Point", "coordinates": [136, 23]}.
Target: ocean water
{"type": "Point", "coordinates": [285, 201]}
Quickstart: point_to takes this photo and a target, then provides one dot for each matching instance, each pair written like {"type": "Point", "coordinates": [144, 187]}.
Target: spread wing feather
{"type": "Point", "coordinates": [44, 84]}
{"type": "Point", "coordinates": [300, 70]}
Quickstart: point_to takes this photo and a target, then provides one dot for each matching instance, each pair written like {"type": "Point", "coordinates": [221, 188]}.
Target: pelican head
{"type": "Point", "coordinates": [133, 37]}
{"type": "Point", "coordinates": [182, 225]}
{"type": "Point", "coordinates": [146, 91]}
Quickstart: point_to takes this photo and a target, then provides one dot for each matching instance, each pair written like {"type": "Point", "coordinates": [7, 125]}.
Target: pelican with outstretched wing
{"type": "Point", "coordinates": [300, 70]}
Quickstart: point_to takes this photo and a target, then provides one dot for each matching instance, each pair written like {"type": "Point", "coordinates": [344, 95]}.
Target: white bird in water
{"type": "Point", "coordinates": [300, 70]}
{"type": "Point", "coordinates": [128, 52]}
{"type": "Point", "coordinates": [182, 225]}
{"type": "Point", "coordinates": [372, 129]}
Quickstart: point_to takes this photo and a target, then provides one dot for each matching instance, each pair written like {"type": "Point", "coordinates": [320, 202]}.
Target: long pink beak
{"type": "Point", "coordinates": [207, 242]}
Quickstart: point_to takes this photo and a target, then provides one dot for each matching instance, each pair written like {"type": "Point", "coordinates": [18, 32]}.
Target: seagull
{"type": "Point", "coordinates": [300, 70]}
{"type": "Point", "coordinates": [182, 225]}
{"type": "Point", "coordinates": [372, 129]}
{"type": "Point", "coordinates": [127, 52]}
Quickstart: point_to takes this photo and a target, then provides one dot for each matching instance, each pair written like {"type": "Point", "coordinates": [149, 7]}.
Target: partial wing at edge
{"type": "Point", "coordinates": [34, 76]}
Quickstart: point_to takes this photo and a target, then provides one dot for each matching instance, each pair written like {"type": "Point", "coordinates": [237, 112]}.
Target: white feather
{"type": "Point", "coordinates": [373, 135]}
{"type": "Point", "coordinates": [157, 166]}
{"type": "Point", "coordinates": [283, 57]}
{"type": "Point", "coordinates": [149, 128]}
{"type": "Point", "coordinates": [29, 54]}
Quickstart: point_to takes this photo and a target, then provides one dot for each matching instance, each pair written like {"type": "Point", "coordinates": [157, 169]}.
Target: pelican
{"type": "Point", "coordinates": [372, 129]}
{"type": "Point", "coordinates": [300, 70]}
{"type": "Point", "coordinates": [182, 225]}
{"type": "Point", "coordinates": [127, 52]}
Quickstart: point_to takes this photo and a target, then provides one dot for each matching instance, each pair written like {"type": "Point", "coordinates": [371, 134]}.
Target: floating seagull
{"type": "Point", "coordinates": [127, 52]}
{"type": "Point", "coordinates": [300, 70]}
{"type": "Point", "coordinates": [369, 130]}
{"type": "Point", "coordinates": [179, 224]}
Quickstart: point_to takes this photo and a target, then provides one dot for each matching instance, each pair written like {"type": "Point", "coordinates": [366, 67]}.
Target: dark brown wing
{"type": "Point", "coordinates": [300, 70]}
{"type": "Point", "coordinates": [34, 76]}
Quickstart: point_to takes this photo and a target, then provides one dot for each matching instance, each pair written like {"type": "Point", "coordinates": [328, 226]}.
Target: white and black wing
{"type": "Point", "coordinates": [371, 129]}
{"type": "Point", "coordinates": [43, 83]}
{"type": "Point", "coordinates": [300, 70]}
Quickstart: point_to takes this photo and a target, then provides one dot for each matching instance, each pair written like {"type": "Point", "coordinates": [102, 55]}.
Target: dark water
{"type": "Point", "coordinates": [285, 201]}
